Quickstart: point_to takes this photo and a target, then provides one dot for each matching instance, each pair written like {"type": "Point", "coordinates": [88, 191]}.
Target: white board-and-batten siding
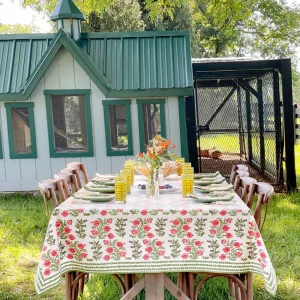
{"type": "Point", "coordinates": [65, 73]}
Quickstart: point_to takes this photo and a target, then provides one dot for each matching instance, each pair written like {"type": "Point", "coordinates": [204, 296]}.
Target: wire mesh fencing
{"type": "Point", "coordinates": [238, 121]}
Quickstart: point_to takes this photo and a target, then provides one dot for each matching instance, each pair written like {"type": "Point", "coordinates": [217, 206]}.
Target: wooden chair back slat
{"type": "Point", "coordinates": [78, 168]}
{"type": "Point", "coordinates": [48, 189]}
{"type": "Point", "coordinates": [69, 182]}
{"type": "Point", "coordinates": [242, 186]}
{"type": "Point", "coordinates": [265, 192]}
{"type": "Point", "coordinates": [241, 167]}
{"type": "Point", "coordinates": [241, 173]}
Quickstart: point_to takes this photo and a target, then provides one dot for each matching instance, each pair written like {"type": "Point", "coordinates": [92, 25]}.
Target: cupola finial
{"type": "Point", "coordinates": [68, 16]}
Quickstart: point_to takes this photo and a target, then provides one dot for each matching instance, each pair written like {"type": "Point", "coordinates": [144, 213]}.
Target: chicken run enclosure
{"type": "Point", "coordinates": [241, 113]}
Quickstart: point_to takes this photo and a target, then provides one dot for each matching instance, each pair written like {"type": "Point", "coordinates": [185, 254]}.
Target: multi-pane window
{"type": "Point", "coordinates": [21, 131]}
{"type": "Point", "coordinates": [117, 119]}
{"type": "Point", "coordinates": [151, 120]}
{"type": "Point", "coordinates": [69, 123]}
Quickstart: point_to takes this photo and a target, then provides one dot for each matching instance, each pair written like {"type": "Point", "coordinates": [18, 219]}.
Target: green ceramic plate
{"type": "Point", "coordinates": [103, 182]}
{"type": "Point", "coordinates": [100, 189]}
{"type": "Point", "coordinates": [94, 198]}
{"type": "Point", "coordinates": [208, 182]}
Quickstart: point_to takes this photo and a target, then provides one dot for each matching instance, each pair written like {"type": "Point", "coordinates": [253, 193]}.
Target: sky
{"type": "Point", "coordinates": [12, 13]}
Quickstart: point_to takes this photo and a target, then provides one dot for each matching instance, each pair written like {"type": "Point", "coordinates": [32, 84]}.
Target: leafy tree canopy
{"type": "Point", "coordinates": [265, 28]}
{"type": "Point", "coordinates": [17, 28]}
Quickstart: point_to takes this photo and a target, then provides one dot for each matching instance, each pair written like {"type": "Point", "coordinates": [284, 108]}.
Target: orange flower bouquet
{"type": "Point", "coordinates": [152, 161]}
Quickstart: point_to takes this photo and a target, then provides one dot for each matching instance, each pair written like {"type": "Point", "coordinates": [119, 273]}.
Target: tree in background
{"type": "Point", "coordinates": [265, 28]}
{"type": "Point", "coordinates": [258, 28]}
{"type": "Point", "coordinates": [17, 28]}
{"type": "Point", "coordinates": [119, 15]}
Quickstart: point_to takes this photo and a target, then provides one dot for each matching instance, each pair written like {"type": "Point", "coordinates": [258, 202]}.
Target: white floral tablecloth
{"type": "Point", "coordinates": [168, 234]}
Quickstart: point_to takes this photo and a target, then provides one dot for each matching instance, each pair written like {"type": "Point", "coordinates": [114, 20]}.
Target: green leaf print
{"type": "Point", "coordinates": [120, 227]}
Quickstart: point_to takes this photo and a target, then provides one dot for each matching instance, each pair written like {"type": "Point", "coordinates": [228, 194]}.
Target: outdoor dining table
{"type": "Point", "coordinates": [152, 236]}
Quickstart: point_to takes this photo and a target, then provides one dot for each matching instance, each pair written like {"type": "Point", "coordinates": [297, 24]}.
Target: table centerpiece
{"type": "Point", "coordinates": [150, 163]}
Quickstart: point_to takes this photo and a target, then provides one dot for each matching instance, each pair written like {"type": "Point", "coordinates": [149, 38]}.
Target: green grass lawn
{"type": "Point", "coordinates": [23, 226]}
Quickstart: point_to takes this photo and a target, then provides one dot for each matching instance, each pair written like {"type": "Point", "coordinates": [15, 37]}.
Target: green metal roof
{"type": "Point", "coordinates": [144, 60]}
{"type": "Point", "coordinates": [121, 64]}
{"type": "Point", "coordinates": [66, 9]}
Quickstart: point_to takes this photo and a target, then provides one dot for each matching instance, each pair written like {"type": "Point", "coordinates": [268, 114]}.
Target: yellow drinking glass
{"type": "Point", "coordinates": [129, 165]}
{"type": "Point", "coordinates": [127, 175]}
{"type": "Point", "coordinates": [187, 181]}
{"type": "Point", "coordinates": [179, 161]}
{"type": "Point", "coordinates": [120, 189]}
{"type": "Point", "coordinates": [188, 170]}
{"type": "Point", "coordinates": [185, 165]}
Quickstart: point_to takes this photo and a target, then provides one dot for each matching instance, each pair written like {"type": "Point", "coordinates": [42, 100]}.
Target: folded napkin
{"type": "Point", "coordinates": [105, 176]}
{"type": "Point", "coordinates": [206, 175]}
{"type": "Point", "coordinates": [206, 181]}
{"type": "Point", "coordinates": [99, 188]}
{"type": "Point", "coordinates": [214, 187]}
{"type": "Point", "coordinates": [208, 198]}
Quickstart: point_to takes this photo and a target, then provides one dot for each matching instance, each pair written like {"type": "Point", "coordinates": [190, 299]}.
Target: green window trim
{"type": "Point", "coordinates": [88, 116]}
{"type": "Point", "coordinates": [10, 130]}
{"type": "Point", "coordinates": [127, 104]}
{"type": "Point", "coordinates": [140, 104]}
{"type": "Point", "coordinates": [1, 153]}
{"type": "Point", "coordinates": [182, 124]}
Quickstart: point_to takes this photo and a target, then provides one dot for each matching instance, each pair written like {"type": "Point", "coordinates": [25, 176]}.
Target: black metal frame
{"type": "Point", "coordinates": [283, 66]}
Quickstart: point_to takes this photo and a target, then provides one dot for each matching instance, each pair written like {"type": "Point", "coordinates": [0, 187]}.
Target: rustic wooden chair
{"type": "Point", "coordinates": [264, 192]}
{"type": "Point", "coordinates": [242, 186]}
{"type": "Point", "coordinates": [69, 181]}
{"type": "Point", "coordinates": [242, 283]}
{"type": "Point", "coordinates": [78, 168]}
{"type": "Point", "coordinates": [239, 167]}
{"type": "Point", "coordinates": [241, 173]}
{"type": "Point", "coordinates": [49, 188]}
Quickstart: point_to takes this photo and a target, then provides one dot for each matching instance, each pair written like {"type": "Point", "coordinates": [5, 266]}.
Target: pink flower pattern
{"type": "Point", "coordinates": [226, 236]}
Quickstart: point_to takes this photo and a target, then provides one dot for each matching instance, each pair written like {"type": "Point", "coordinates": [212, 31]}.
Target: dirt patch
{"type": "Point", "coordinates": [224, 165]}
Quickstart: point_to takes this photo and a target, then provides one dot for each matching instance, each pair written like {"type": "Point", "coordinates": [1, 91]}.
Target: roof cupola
{"type": "Point", "coordinates": [68, 16]}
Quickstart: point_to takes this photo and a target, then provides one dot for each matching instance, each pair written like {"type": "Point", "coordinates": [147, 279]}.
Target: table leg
{"type": "Point", "coordinates": [128, 281]}
{"type": "Point", "coordinates": [154, 286]}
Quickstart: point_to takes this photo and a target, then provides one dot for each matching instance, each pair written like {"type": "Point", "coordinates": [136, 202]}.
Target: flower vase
{"type": "Point", "coordinates": [152, 187]}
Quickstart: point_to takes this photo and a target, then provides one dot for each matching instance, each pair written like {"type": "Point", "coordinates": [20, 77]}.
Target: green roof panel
{"type": "Point", "coordinates": [142, 62]}
{"type": "Point", "coordinates": [123, 64]}
{"type": "Point", "coordinates": [18, 58]}
{"type": "Point", "coordinates": [66, 9]}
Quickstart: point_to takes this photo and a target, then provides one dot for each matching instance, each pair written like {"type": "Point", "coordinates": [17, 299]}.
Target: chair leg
{"type": "Point", "coordinates": [128, 282]}
{"type": "Point", "coordinates": [68, 286]}
{"type": "Point", "coordinates": [231, 288]}
{"type": "Point", "coordinates": [81, 285]}
{"type": "Point", "coordinates": [249, 286]}
{"type": "Point", "coordinates": [190, 285]}
{"type": "Point", "coordinates": [237, 292]}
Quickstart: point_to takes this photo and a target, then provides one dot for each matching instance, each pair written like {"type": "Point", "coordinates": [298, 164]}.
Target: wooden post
{"type": "Point", "coordinates": [277, 125]}
{"type": "Point", "coordinates": [191, 133]}
{"type": "Point", "coordinates": [249, 126]}
{"type": "Point", "coordinates": [260, 101]}
{"type": "Point", "coordinates": [287, 93]}
{"type": "Point", "coordinates": [241, 134]}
